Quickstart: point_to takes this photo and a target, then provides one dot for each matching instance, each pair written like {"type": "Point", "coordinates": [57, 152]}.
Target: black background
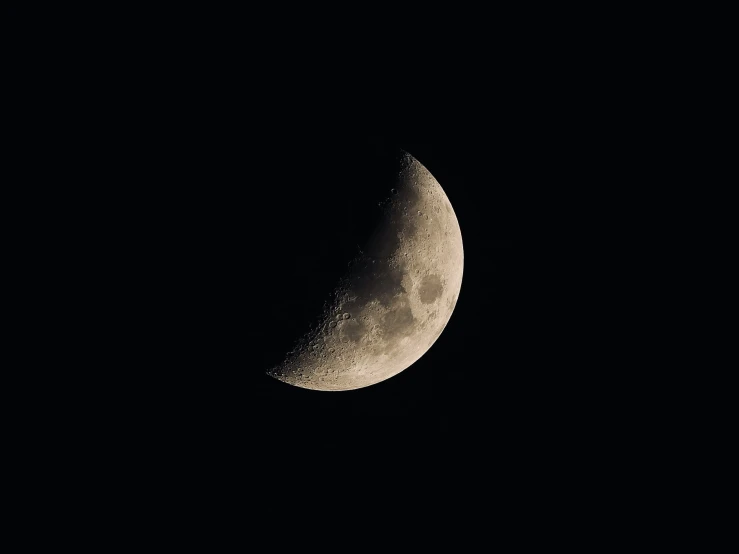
{"type": "Point", "coordinates": [235, 230]}
{"type": "Point", "coordinates": [224, 196]}
{"type": "Point", "coordinates": [233, 217]}
{"type": "Point", "coordinates": [183, 194]}
{"type": "Point", "coordinates": [260, 222]}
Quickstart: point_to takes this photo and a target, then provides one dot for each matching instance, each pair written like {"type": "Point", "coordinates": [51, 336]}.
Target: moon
{"type": "Point", "coordinates": [396, 297]}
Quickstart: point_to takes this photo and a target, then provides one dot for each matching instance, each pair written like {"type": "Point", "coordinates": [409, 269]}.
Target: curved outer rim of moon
{"type": "Point", "coordinates": [396, 298]}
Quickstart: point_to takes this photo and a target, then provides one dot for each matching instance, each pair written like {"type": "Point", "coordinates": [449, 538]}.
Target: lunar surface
{"type": "Point", "coordinates": [396, 298]}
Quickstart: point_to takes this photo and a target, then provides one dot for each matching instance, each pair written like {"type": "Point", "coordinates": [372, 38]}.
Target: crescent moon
{"type": "Point", "coordinates": [396, 298]}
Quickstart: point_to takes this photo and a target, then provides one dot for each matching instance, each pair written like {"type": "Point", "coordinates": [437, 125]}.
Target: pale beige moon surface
{"type": "Point", "coordinates": [396, 298]}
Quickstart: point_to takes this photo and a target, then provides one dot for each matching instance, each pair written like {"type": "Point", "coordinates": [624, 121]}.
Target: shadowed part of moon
{"type": "Point", "coordinates": [430, 289]}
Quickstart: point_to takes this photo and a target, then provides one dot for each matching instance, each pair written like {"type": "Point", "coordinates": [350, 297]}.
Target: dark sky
{"type": "Point", "coordinates": [215, 178]}
{"type": "Point", "coordinates": [239, 213]}
{"type": "Point", "coordinates": [254, 223]}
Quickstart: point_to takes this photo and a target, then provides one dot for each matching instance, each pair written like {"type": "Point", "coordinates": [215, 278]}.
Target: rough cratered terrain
{"type": "Point", "coordinates": [396, 298]}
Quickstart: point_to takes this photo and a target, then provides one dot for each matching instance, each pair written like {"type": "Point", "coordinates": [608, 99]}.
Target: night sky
{"type": "Point", "coordinates": [215, 183]}
{"type": "Point", "coordinates": [231, 228]}
{"type": "Point", "coordinates": [259, 223]}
